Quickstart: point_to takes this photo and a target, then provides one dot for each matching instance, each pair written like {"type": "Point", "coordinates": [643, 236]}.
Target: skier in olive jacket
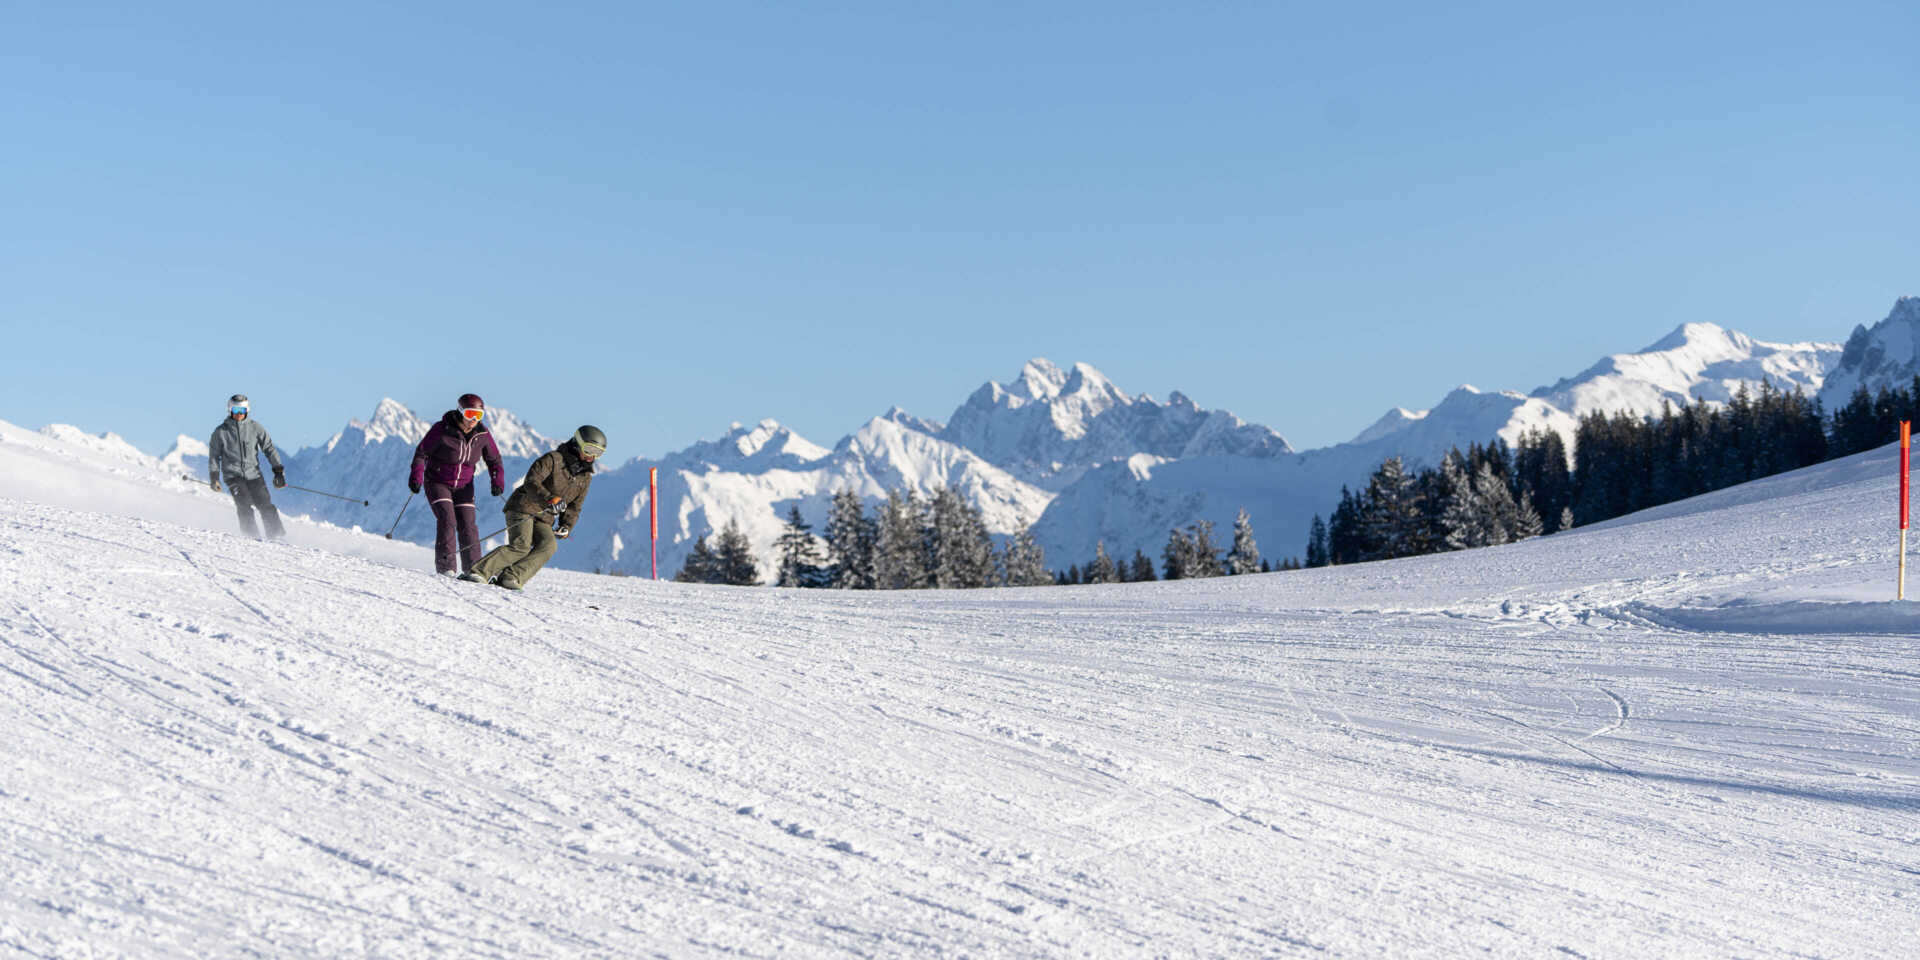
{"type": "Point", "coordinates": [444, 465]}
{"type": "Point", "coordinates": [235, 451]}
{"type": "Point", "coordinates": [555, 487]}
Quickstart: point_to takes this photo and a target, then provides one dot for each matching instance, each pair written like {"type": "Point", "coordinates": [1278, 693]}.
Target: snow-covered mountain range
{"type": "Point", "coordinates": [1065, 451]}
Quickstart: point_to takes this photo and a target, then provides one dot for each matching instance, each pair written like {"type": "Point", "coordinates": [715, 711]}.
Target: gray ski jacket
{"type": "Point", "coordinates": [236, 447]}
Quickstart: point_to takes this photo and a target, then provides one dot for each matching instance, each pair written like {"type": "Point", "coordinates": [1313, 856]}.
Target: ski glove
{"type": "Point", "coordinates": [562, 531]}
{"type": "Point", "coordinates": [414, 487]}
{"type": "Point", "coordinates": [280, 477]}
{"type": "Point", "coordinates": [214, 481]}
{"type": "Point", "coordinates": [498, 489]}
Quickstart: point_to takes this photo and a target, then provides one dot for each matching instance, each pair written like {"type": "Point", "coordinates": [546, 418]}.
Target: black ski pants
{"type": "Point", "coordinates": [250, 495]}
{"type": "Point", "coordinates": [453, 516]}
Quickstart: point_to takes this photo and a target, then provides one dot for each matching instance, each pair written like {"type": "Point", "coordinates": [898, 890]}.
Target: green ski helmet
{"type": "Point", "coordinates": [590, 443]}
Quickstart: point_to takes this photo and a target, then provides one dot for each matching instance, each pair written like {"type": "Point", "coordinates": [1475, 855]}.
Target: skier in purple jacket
{"type": "Point", "coordinates": [444, 464]}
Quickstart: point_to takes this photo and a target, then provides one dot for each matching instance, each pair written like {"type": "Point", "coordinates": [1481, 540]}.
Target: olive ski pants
{"type": "Point", "coordinates": [530, 544]}
{"type": "Point", "coordinates": [250, 494]}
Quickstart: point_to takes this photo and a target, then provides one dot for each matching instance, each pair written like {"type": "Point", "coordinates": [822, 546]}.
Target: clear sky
{"type": "Point", "coordinates": [664, 218]}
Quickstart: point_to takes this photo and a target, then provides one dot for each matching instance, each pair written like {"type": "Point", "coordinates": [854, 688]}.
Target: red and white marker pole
{"type": "Point", "coordinates": [1906, 471]}
{"type": "Point", "coordinates": [653, 512]}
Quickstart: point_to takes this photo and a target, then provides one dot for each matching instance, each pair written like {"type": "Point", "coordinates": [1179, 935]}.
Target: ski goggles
{"type": "Point", "coordinates": [590, 451]}
{"type": "Point", "coordinates": [237, 409]}
{"type": "Point", "coordinates": [473, 413]}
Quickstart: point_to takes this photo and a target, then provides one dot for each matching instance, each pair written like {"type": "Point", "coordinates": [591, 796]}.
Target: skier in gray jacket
{"type": "Point", "coordinates": [235, 451]}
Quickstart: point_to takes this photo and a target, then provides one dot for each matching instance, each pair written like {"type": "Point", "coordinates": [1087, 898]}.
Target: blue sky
{"type": "Point", "coordinates": [661, 219]}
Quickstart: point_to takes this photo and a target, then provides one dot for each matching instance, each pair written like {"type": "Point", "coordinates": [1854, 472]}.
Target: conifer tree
{"type": "Point", "coordinates": [1203, 558]}
{"type": "Point", "coordinates": [699, 565]}
{"type": "Point", "coordinates": [1317, 554]}
{"type": "Point", "coordinates": [801, 560]}
{"type": "Point", "coordinates": [1023, 563]}
{"type": "Point", "coordinates": [1463, 523]}
{"type": "Point", "coordinates": [900, 557]}
{"type": "Point", "coordinates": [1102, 570]}
{"type": "Point", "coordinates": [851, 538]}
{"type": "Point", "coordinates": [1176, 555]}
{"type": "Point", "coordinates": [962, 550]}
{"type": "Point", "coordinates": [1393, 524]}
{"type": "Point", "coordinates": [733, 558]}
{"type": "Point", "coordinates": [1142, 571]}
{"type": "Point", "coordinates": [1245, 555]}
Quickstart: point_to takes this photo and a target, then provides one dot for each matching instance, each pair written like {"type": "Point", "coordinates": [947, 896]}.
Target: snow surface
{"type": "Point", "coordinates": [1689, 732]}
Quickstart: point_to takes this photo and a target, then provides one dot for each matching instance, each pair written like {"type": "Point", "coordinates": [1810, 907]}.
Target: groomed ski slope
{"type": "Point", "coordinates": [1689, 733]}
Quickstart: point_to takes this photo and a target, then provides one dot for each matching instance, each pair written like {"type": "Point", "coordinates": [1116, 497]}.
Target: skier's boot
{"type": "Point", "coordinates": [506, 582]}
{"type": "Point", "coordinates": [472, 577]}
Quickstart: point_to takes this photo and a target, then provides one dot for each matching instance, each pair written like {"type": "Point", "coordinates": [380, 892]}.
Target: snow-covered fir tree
{"type": "Point", "coordinates": [802, 563]}
{"type": "Point", "coordinates": [852, 535]}
{"type": "Point", "coordinates": [1101, 570]}
{"type": "Point", "coordinates": [1204, 558]}
{"type": "Point", "coordinates": [1175, 554]}
{"type": "Point", "coordinates": [1391, 521]}
{"type": "Point", "coordinates": [900, 556]}
{"type": "Point", "coordinates": [961, 547]}
{"type": "Point", "coordinates": [1466, 519]}
{"type": "Point", "coordinates": [1023, 563]}
{"type": "Point", "coordinates": [1245, 555]}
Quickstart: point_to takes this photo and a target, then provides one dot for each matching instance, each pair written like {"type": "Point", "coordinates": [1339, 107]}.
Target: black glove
{"type": "Point", "coordinates": [498, 489]}
{"type": "Point", "coordinates": [562, 531]}
{"type": "Point", "coordinates": [280, 477]}
{"type": "Point", "coordinates": [413, 486]}
{"type": "Point", "coordinates": [214, 482]}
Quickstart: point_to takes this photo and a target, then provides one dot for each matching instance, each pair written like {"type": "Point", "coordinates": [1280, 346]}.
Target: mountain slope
{"type": "Point", "coordinates": [1049, 426]}
{"type": "Point", "coordinates": [1886, 356]}
{"type": "Point", "coordinates": [222, 747]}
{"type": "Point", "coordinates": [1696, 361]}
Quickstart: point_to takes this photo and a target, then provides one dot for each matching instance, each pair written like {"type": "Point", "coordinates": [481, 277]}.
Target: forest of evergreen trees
{"type": "Point", "coordinates": [1622, 463]}
{"type": "Point", "coordinates": [1486, 496]}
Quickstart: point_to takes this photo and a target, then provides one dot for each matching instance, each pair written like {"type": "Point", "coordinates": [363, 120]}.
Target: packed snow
{"type": "Point", "coordinates": [1689, 732]}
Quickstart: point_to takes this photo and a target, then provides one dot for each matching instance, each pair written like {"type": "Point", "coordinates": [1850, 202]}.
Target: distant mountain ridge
{"type": "Point", "coordinates": [1065, 451]}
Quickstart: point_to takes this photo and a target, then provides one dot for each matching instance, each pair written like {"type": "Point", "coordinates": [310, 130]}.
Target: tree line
{"type": "Point", "coordinates": [910, 542]}
{"type": "Point", "coordinates": [1622, 463]}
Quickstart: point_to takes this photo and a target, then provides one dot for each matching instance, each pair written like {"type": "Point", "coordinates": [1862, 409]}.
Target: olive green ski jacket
{"type": "Point", "coordinates": [560, 473]}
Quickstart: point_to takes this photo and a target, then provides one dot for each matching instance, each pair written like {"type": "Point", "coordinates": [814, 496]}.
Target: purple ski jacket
{"type": "Point", "coordinates": [450, 456]}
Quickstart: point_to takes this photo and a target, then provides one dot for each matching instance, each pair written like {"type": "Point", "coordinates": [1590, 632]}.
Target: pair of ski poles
{"type": "Point", "coordinates": [364, 503]}
{"type": "Point", "coordinates": [403, 512]}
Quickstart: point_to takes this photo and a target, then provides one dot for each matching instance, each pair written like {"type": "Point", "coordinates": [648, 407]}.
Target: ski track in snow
{"type": "Point", "coordinates": [1567, 747]}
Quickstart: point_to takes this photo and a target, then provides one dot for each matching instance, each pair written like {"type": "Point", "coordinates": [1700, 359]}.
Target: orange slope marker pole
{"type": "Point", "coordinates": [1906, 471]}
{"type": "Point", "coordinates": [653, 514]}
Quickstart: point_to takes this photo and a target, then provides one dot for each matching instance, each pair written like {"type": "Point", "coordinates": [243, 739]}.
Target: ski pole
{"type": "Point", "coordinates": [403, 512]}
{"type": "Point", "coordinates": [364, 503]}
